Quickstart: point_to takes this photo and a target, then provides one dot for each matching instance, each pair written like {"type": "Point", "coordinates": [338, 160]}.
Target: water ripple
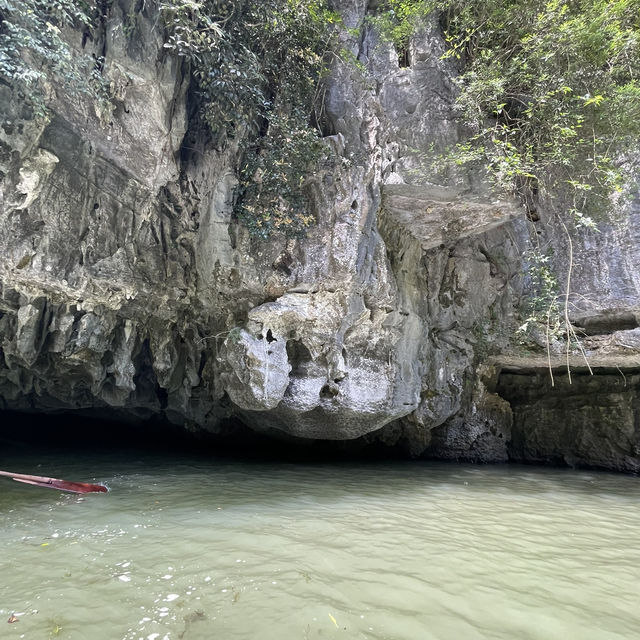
{"type": "Point", "coordinates": [197, 549]}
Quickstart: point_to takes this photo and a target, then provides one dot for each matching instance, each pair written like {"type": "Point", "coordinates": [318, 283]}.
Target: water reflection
{"type": "Point", "coordinates": [196, 548]}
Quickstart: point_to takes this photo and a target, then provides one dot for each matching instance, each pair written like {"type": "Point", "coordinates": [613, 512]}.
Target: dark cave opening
{"type": "Point", "coordinates": [94, 432]}
{"type": "Point", "coordinates": [87, 429]}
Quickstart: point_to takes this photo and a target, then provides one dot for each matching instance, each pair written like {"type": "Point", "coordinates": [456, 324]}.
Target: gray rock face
{"type": "Point", "coordinates": [578, 417]}
{"type": "Point", "coordinates": [127, 286]}
{"type": "Point", "coordinates": [323, 364]}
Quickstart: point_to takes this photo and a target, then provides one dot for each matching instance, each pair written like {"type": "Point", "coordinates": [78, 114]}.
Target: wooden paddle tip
{"type": "Point", "coordinates": [56, 483]}
{"type": "Point", "coordinates": [100, 489]}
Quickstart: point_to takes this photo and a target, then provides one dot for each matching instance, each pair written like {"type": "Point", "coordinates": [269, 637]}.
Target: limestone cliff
{"type": "Point", "coordinates": [128, 288]}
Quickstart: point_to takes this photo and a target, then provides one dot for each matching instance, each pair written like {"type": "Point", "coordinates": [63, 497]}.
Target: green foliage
{"type": "Point", "coordinates": [543, 306]}
{"type": "Point", "coordinates": [258, 64]}
{"type": "Point", "coordinates": [273, 175]}
{"type": "Point", "coordinates": [397, 19]}
{"type": "Point", "coordinates": [34, 53]}
{"type": "Point", "coordinates": [550, 90]}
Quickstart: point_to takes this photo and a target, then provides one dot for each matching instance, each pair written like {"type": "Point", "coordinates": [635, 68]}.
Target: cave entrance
{"type": "Point", "coordinates": [95, 432]}
{"type": "Point", "coordinates": [88, 429]}
{"type": "Point", "coordinates": [81, 432]}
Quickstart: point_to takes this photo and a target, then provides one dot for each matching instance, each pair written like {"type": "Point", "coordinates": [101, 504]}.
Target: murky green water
{"type": "Point", "coordinates": [206, 549]}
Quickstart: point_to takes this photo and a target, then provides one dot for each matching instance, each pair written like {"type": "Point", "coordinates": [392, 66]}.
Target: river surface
{"type": "Point", "coordinates": [196, 548]}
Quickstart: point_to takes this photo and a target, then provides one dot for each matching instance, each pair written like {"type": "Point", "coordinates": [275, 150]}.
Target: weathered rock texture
{"type": "Point", "coordinates": [127, 287]}
{"type": "Point", "coordinates": [577, 417]}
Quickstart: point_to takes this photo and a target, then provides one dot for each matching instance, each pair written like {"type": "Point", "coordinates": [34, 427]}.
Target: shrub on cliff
{"type": "Point", "coordinates": [35, 57]}
{"type": "Point", "coordinates": [549, 88]}
{"type": "Point", "coordinates": [257, 65]}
